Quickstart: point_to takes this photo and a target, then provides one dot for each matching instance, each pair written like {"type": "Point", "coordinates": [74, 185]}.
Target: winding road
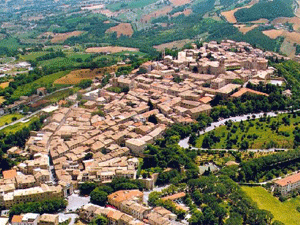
{"type": "Point", "coordinates": [184, 142]}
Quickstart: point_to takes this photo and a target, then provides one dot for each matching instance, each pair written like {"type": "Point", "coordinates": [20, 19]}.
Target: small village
{"type": "Point", "coordinates": [105, 131]}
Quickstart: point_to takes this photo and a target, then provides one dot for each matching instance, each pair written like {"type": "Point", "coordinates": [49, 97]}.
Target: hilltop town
{"type": "Point", "coordinates": [105, 131]}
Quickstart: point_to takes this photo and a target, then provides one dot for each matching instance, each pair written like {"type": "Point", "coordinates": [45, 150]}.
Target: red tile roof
{"type": "Point", "coordinates": [243, 91]}
{"type": "Point", "coordinates": [9, 174]}
{"type": "Point", "coordinates": [290, 179]}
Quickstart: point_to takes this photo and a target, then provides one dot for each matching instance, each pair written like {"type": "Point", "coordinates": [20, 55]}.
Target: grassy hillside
{"type": "Point", "coordinates": [42, 82]}
{"type": "Point", "coordinates": [283, 211]}
{"type": "Point", "coordinates": [260, 135]}
{"type": "Point", "coordinates": [266, 9]}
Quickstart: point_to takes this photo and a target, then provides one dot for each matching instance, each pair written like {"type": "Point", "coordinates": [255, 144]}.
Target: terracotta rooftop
{"type": "Point", "coordinates": [290, 179]}
{"type": "Point", "coordinates": [16, 219]}
{"type": "Point", "coordinates": [243, 91]}
{"type": "Point", "coordinates": [174, 197]}
{"type": "Point", "coordinates": [9, 174]}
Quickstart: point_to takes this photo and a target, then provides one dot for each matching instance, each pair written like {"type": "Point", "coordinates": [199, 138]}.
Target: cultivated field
{"type": "Point", "coordinates": [41, 82]}
{"type": "Point", "coordinates": [174, 44]}
{"type": "Point", "coordinates": [121, 29]}
{"type": "Point", "coordinates": [64, 36]}
{"type": "Point", "coordinates": [244, 29]}
{"type": "Point", "coordinates": [161, 12]}
{"type": "Point", "coordinates": [290, 36]}
{"type": "Point", "coordinates": [110, 49]}
{"type": "Point", "coordinates": [76, 76]}
{"type": "Point", "coordinates": [186, 12]}
{"type": "Point", "coordinates": [297, 13]}
{"type": "Point", "coordinates": [180, 2]}
{"type": "Point", "coordinates": [283, 211]}
{"type": "Point", "coordinates": [4, 85]}
{"type": "Point", "coordinates": [273, 34]}
{"type": "Point", "coordinates": [260, 21]}
{"type": "Point", "coordinates": [288, 48]}
{"type": "Point", "coordinates": [294, 20]}
{"type": "Point", "coordinates": [229, 15]}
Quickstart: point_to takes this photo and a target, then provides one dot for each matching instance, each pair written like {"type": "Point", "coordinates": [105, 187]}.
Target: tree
{"type": "Point", "coordinates": [153, 119]}
{"type": "Point", "coordinates": [86, 188]}
{"type": "Point", "coordinates": [100, 220]}
{"type": "Point", "coordinates": [85, 83]}
{"type": "Point", "coordinates": [193, 139]}
{"type": "Point", "coordinates": [98, 197]}
{"type": "Point", "coordinates": [244, 145]}
{"type": "Point", "coordinates": [88, 156]}
{"type": "Point", "coordinates": [142, 70]}
{"type": "Point", "coordinates": [150, 104]}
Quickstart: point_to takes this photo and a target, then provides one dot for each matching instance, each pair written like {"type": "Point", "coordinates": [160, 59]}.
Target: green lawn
{"type": "Point", "coordinates": [43, 81]}
{"type": "Point", "coordinates": [266, 136]}
{"type": "Point", "coordinates": [8, 118]}
{"type": "Point", "coordinates": [283, 211]}
{"type": "Point", "coordinates": [19, 126]}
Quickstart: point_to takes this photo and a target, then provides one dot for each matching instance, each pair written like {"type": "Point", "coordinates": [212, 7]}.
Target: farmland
{"type": "Point", "coordinates": [45, 81]}
{"type": "Point", "coordinates": [76, 76]}
{"type": "Point", "coordinates": [161, 12]}
{"type": "Point", "coordinates": [283, 211]}
{"type": "Point", "coordinates": [180, 2]}
{"type": "Point", "coordinates": [259, 135]}
{"type": "Point", "coordinates": [229, 15]}
{"type": "Point", "coordinates": [122, 29]}
{"type": "Point", "coordinates": [174, 44]}
{"type": "Point", "coordinates": [64, 36]}
{"type": "Point", "coordinates": [111, 49]}
{"type": "Point", "coordinates": [244, 29]}
{"type": "Point", "coordinates": [130, 5]}
{"type": "Point", "coordinates": [4, 85]}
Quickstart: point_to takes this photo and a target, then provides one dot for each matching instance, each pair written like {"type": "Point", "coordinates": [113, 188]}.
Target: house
{"type": "Point", "coordinates": [118, 197]}
{"type": "Point", "coordinates": [42, 91]}
{"type": "Point", "coordinates": [134, 209]}
{"type": "Point", "coordinates": [195, 112]}
{"type": "Point", "coordinates": [137, 146]}
{"type": "Point", "coordinates": [288, 184]}
{"type": "Point", "coordinates": [26, 219]}
{"type": "Point", "coordinates": [48, 219]}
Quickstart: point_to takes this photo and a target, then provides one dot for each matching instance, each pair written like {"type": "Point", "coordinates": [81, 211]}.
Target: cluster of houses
{"type": "Point", "coordinates": [103, 138]}
{"type": "Point", "coordinates": [126, 207]}
{"type": "Point", "coordinates": [32, 219]}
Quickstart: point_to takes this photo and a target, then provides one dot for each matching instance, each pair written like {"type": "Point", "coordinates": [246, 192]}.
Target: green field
{"type": "Point", "coordinates": [130, 5]}
{"type": "Point", "coordinates": [10, 43]}
{"type": "Point", "coordinates": [266, 137]}
{"type": "Point", "coordinates": [283, 211]}
{"type": "Point", "coordinates": [43, 81]}
{"type": "Point", "coordinates": [8, 118]}
{"type": "Point", "coordinates": [57, 96]}
{"type": "Point", "coordinates": [32, 55]}
{"type": "Point", "coordinates": [18, 126]}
